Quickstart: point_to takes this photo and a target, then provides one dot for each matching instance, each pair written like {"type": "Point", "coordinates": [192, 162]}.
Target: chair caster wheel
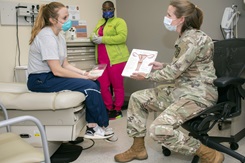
{"type": "Point", "coordinates": [234, 146]}
{"type": "Point", "coordinates": [166, 151]}
{"type": "Point", "coordinates": [220, 127]}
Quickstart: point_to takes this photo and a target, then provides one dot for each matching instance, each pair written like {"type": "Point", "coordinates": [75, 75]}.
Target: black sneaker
{"type": "Point", "coordinates": [111, 113]}
{"type": "Point", "coordinates": [115, 115]}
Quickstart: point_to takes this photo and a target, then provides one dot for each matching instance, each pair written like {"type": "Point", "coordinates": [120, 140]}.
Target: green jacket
{"type": "Point", "coordinates": [114, 37]}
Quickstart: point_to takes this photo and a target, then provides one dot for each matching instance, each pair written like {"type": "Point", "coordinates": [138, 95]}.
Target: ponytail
{"type": "Point", "coordinates": [193, 15]}
{"type": "Point", "coordinates": [38, 25]}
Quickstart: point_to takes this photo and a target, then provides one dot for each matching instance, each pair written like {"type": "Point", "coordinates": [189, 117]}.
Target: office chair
{"type": "Point", "coordinates": [14, 149]}
{"type": "Point", "coordinates": [229, 62]}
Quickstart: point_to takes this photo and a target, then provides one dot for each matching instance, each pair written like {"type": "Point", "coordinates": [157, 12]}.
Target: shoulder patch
{"type": "Point", "coordinates": [177, 51]}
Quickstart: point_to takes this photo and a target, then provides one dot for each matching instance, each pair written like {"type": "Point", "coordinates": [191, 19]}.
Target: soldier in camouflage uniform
{"type": "Point", "coordinates": [192, 72]}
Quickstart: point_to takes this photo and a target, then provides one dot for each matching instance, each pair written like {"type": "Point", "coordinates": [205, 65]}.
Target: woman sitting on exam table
{"type": "Point", "coordinates": [49, 70]}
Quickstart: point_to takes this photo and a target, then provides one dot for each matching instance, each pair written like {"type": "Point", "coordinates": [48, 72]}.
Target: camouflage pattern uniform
{"type": "Point", "coordinates": [193, 73]}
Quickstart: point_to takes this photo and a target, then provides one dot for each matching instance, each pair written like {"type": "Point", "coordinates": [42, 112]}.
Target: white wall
{"type": "Point", "coordinates": [90, 10]}
{"type": "Point", "coordinates": [146, 30]}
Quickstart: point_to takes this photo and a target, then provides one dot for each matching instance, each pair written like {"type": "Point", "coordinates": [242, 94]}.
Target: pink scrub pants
{"type": "Point", "coordinates": [112, 77]}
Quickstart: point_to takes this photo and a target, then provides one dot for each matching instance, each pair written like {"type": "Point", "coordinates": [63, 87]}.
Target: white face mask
{"type": "Point", "coordinates": [167, 23]}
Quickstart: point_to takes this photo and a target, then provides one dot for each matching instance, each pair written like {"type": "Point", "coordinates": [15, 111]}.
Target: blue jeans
{"type": "Point", "coordinates": [95, 107]}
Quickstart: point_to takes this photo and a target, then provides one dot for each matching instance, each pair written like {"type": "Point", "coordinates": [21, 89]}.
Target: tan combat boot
{"type": "Point", "coordinates": [208, 155]}
{"type": "Point", "coordinates": [137, 151]}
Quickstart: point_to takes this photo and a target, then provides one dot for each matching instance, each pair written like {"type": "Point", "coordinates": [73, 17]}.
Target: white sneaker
{"type": "Point", "coordinates": [108, 131]}
{"type": "Point", "coordinates": [97, 133]}
{"type": "Point", "coordinates": [113, 138]}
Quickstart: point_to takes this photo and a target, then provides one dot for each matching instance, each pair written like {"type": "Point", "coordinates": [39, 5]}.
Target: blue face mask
{"type": "Point", "coordinates": [167, 22]}
{"type": "Point", "coordinates": [67, 25]}
{"type": "Point", "coordinates": [108, 14]}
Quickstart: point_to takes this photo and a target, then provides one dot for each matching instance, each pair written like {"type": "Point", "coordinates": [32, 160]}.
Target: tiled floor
{"type": "Point", "coordinates": [103, 152]}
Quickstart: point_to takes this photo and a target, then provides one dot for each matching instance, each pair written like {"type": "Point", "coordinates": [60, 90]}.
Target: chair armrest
{"type": "Point", "coordinates": [225, 81]}
{"type": "Point", "coordinates": [38, 124]}
{"type": "Point", "coordinates": [209, 116]}
{"type": "Point", "coordinates": [10, 121]}
{"type": "Point", "coordinates": [5, 113]}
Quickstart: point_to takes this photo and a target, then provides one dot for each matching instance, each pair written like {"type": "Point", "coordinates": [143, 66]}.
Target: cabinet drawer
{"type": "Point", "coordinates": [80, 58]}
{"type": "Point", "coordinates": [83, 64]}
{"type": "Point", "coordinates": [80, 50]}
{"type": "Point", "coordinates": [81, 54]}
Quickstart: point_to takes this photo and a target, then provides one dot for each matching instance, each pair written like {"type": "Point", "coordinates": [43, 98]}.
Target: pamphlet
{"type": "Point", "coordinates": [97, 70]}
{"type": "Point", "coordinates": [139, 62]}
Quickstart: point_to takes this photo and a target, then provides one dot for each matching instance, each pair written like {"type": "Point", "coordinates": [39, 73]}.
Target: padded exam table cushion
{"type": "Point", "coordinates": [17, 96]}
